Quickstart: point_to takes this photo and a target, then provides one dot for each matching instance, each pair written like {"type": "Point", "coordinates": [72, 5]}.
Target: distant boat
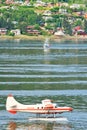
{"type": "Point", "coordinates": [46, 45]}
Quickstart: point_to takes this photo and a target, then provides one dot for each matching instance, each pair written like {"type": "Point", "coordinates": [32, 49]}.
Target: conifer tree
{"type": "Point", "coordinates": [85, 25]}
{"type": "Point", "coordinates": [67, 26]}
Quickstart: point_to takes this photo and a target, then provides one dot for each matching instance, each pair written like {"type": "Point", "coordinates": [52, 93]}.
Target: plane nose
{"type": "Point", "coordinates": [70, 109]}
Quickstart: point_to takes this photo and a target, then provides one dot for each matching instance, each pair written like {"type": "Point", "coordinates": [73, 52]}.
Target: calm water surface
{"type": "Point", "coordinates": [32, 73]}
{"type": "Point", "coordinates": [27, 65]}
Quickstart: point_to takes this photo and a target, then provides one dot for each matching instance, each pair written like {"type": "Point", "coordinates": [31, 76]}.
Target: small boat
{"type": "Point", "coordinates": [46, 107]}
{"type": "Point", "coordinates": [46, 45]}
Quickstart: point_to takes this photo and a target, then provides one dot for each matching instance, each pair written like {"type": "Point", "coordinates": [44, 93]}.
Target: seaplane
{"type": "Point", "coordinates": [46, 107]}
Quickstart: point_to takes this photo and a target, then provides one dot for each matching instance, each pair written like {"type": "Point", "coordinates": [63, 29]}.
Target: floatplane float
{"type": "Point", "coordinates": [45, 108]}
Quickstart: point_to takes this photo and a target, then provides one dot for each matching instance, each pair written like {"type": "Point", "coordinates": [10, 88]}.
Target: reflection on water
{"type": "Point", "coordinates": [46, 45]}
{"type": "Point", "coordinates": [38, 126]}
{"type": "Point", "coordinates": [12, 126]}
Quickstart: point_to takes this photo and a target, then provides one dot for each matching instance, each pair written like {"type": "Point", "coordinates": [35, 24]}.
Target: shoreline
{"type": "Point", "coordinates": [41, 37]}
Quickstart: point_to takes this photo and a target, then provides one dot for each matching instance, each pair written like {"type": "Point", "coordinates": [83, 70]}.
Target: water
{"type": "Point", "coordinates": [27, 65]}
{"type": "Point", "coordinates": [32, 73]}
{"type": "Point", "coordinates": [77, 120]}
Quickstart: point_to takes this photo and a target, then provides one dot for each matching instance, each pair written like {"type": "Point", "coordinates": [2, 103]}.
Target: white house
{"type": "Point", "coordinates": [16, 31]}
{"type": "Point", "coordinates": [59, 33]}
{"type": "Point", "coordinates": [3, 31]}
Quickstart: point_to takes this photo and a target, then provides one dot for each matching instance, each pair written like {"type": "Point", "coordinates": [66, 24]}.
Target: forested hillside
{"type": "Point", "coordinates": [46, 17]}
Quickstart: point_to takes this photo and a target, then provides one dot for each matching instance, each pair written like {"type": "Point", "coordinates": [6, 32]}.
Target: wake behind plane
{"type": "Point", "coordinates": [46, 107]}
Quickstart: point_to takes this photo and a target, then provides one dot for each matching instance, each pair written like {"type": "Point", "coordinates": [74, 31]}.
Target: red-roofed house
{"type": "Point", "coordinates": [3, 31]}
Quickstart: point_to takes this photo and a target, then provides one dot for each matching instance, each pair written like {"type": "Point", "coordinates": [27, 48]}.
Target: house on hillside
{"type": "Point", "coordinates": [63, 11]}
{"type": "Point", "coordinates": [75, 6]}
{"type": "Point", "coordinates": [39, 3]}
{"type": "Point", "coordinates": [85, 15]}
{"type": "Point", "coordinates": [30, 30]}
{"type": "Point", "coordinates": [59, 32]}
{"type": "Point", "coordinates": [16, 31]}
{"type": "Point", "coordinates": [47, 15]}
{"type": "Point", "coordinates": [3, 31]}
{"type": "Point", "coordinates": [78, 31]}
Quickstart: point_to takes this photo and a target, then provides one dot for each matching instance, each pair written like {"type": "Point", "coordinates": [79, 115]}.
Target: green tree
{"type": "Point", "coordinates": [22, 26]}
{"type": "Point", "coordinates": [2, 22]}
{"type": "Point", "coordinates": [49, 27]}
{"type": "Point", "coordinates": [9, 25]}
{"type": "Point", "coordinates": [54, 10]}
{"type": "Point", "coordinates": [36, 26]}
{"type": "Point", "coordinates": [67, 26]}
{"type": "Point", "coordinates": [78, 22]}
{"type": "Point", "coordinates": [85, 25]}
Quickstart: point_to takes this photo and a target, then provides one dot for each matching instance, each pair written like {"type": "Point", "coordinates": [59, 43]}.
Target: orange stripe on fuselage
{"type": "Point", "coordinates": [42, 110]}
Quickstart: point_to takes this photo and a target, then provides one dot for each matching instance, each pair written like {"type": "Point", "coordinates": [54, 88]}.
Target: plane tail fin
{"type": "Point", "coordinates": [11, 104]}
